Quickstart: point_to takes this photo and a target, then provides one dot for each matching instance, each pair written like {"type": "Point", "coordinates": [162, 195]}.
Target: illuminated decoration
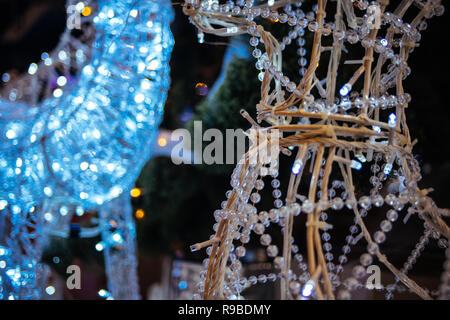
{"type": "Point", "coordinates": [79, 140]}
{"type": "Point", "coordinates": [323, 126]}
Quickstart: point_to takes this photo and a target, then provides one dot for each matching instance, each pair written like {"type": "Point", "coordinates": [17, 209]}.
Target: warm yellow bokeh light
{"type": "Point", "coordinates": [140, 213]}
{"type": "Point", "coordinates": [135, 192]}
{"type": "Point", "coordinates": [162, 142]}
{"type": "Point", "coordinates": [201, 84]}
{"type": "Point", "coordinates": [86, 11]}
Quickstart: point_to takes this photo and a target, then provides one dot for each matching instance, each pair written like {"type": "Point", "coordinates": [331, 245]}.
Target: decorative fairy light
{"type": "Point", "coordinates": [377, 129]}
{"type": "Point", "coordinates": [297, 167]}
{"type": "Point", "coordinates": [308, 289]}
{"type": "Point", "coordinates": [345, 90]}
{"type": "Point", "coordinates": [392, 120]}
{"type": "Point", "coordinates": [356, 165]}
{"type": "Point", "coordinates": [387, 168]}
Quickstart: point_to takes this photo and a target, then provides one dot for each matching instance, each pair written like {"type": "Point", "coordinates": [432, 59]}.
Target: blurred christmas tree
{"type": "Point", "coordinates": [179, 199]}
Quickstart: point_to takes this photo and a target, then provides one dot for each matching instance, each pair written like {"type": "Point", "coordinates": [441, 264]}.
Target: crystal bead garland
{"type": "Point", "coordinates": [333, 130]}
{"type": "Point", "coordinates": [80, 142]}
{"type": "Point", "coordinates": [444, 290]}
{"type": "Point", "coordinates": [409, 263]}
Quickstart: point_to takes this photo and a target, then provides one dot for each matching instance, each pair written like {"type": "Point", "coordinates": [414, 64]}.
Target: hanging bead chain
{"type": "Point", "coordinates": [444, 288]}
{"type": "Point", "coordinates": [351, 239]}
{"type": "Point", "coordinates": [366, 259]}
{"type": "Point", "coordinates": [415, 254]}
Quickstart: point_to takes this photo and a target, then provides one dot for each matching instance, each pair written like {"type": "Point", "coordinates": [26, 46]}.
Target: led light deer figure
{"type": "Point", "coordinates": [81, 143]}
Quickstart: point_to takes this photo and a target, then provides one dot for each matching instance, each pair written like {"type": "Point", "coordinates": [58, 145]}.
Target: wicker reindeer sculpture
{"type": "Point", "coordinates": [330, 130]}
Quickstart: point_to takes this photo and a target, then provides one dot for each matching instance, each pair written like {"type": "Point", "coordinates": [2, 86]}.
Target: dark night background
{"type": "Point", "coordinates": [29, 27]}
